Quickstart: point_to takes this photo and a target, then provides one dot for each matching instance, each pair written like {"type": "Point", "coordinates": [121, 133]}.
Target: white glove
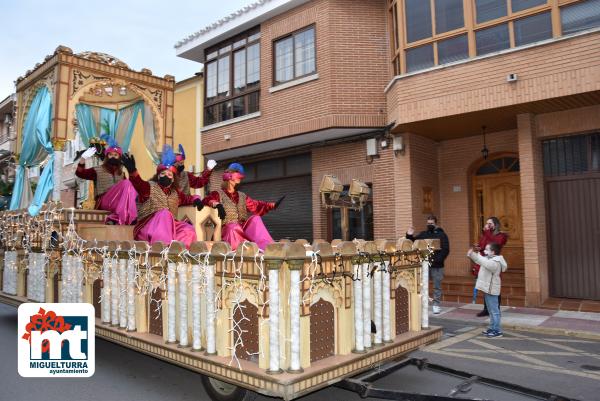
{"type": "Point", "coordinates": [88, 153]}
{"type": "Point", "coordinates": [211, 164]}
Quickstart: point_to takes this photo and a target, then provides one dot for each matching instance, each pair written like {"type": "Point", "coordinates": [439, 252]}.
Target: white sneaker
{"type": "Point", "coordinates": [436, 310]}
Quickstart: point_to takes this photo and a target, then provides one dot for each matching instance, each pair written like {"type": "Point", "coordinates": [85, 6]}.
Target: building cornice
{"type": "Point", "coordinates": [192, 47]}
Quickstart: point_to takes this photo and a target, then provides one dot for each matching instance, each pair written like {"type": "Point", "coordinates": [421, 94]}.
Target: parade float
{"type": "Point", "coordinates": [284, 322]}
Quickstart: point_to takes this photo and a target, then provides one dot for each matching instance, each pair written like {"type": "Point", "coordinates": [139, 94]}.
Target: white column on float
{"type": "Point", "coordinates": [274, 320]}
{"type": "Point", "coordinates": [79, 273]}
{"type": "Point", "coordinates": [183, 303]}
{"type": "Point", "coordinates": [131, 268]}
{"type": "Point", "coordinates": [386, 299]}
{"type": "Point", "coordinates": [66, 279]}
{"type": "Point", "coordinates": [359, 334]}
{"type": "Point", "coordinates": [123, 293]}
{"type": "Point", "coordinates": [171, 288]}
{"type": "Point", "coordinates": [10, 273]}
{"type": "Point", "coordinates": [114, 292]}
{"type": "Point", "coordinates": [57, 173]}
{"type": "Point", "coordinates": [377, 313]}
{"type": "Point", "coordinates": [295, 320]}
{"type": "Point", "coordinates": [196, 307]}
{"type": "Point", "coordinates": [105, 299]}
{"type": "Point", "coordinates": [31, 290]}
{"type": "Point", "coordinates": [36, 278]}
{"type": "Point", "coordinates": [366, 283]}
{"type": "Point", "coordinates": [211, 345]}
{"type": "Point", "coordinates": [425, 294]}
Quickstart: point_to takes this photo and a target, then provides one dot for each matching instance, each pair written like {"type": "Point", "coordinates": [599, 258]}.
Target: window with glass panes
{"type": "Point", "coordinates": [426, 33]}
{"type": "Point", "coordinates": [294, 56]}
{"type": "Point", "coordinates": [232, 78]}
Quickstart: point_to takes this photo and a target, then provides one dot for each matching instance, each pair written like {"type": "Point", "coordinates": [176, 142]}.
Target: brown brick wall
{"type": "Point", "coordinates": [348, 161]}
{"type": "Point", "coordinates": [352, 64]}
{"type": "Point", "coordinates": [561, 68]}
{"type": "Point", "coordinates": [424, 173]}
{"type": "Point", "coordinates": [533, 209]}
{"type": "Point", "coordinates": [567, 122]}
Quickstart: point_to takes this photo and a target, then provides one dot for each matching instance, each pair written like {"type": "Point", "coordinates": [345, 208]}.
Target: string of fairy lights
{"type": "Point", "coordinates": [49, 243]}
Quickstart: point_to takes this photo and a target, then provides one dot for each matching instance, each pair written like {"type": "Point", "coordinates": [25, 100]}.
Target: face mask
{"type": "Point", "coordinates": [430, 227]}
{"type": "Point", "coordinates": [180, 168]}
{"type": "Point", "coordinates": [165, 181]}
{"type": "Point", "coordinates": [114, 162]}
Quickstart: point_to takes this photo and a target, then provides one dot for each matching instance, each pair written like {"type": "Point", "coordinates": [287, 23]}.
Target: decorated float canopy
{"type": "Point", "coordinates": [83, 96]}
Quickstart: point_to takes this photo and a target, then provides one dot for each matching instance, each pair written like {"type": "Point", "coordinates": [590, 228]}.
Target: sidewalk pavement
{"type": "Point", "coordinates": [582, 324]}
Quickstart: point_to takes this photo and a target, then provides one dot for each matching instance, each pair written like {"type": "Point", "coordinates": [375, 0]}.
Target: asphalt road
{"type": "Point", "coordinates": [549, 363]}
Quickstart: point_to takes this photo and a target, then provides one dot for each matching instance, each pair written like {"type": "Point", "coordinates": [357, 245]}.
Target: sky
{"type": "Point", "coordinates": [140, 33]}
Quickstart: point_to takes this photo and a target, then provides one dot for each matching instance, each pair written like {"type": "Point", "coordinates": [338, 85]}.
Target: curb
{"type": "Point", "coordinates": [589, 335]}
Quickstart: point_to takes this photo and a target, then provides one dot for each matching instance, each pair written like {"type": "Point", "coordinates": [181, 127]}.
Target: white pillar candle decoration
{"type": "Point", "coordinates": [366, 282]}
{"type": "Point", "coordinates": [9, 276]}
{"type": "Point", "coordinates": [131, 265]}
{"type": "Point", "coordinates": [42, 266]}
{"type": "Point", "coordinates": [123, 293]}
{"type": "Point", "coordinates": [358, 310]}
{"type": "Point", "coordinates": [114, 292]}
{"type": "Point", "coordinates": [211, 346]}
{"type": "Point", "coordinates": [273, 320]}
{"type": "Point", "coordinates": [425, 294]}
{"type": "Point", "coordinates": [57, 172]}
{"type": "Point", "coordinates": [386, 299]}
{"type": "Point", "coordinates": [67, 279]}
{"type": "Point", "coordinates": [36, 277]}
{"type": "Point", "coordinates": [31, 290]}
{"type": "Point", "coordinates": [183, 302]}
{"type": "Point", "coordinates": [196, 322]}
{"type": "Point", "coordinates": [171, 277]}
{"type": "Point", "coordinates": [105, 299]}
{"type": "Point", "coordinates": [295, 319]}
{"type": "Point", "coordinates": [78, 275]}
{"type": "Point", "coordinates": [377, 313]}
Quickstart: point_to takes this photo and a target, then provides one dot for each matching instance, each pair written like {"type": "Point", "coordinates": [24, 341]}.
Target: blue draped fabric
{"type": "Point", "coordinates": [107, 120]}
{"type": "Point", "coordinates": [35, 147]}
{"type": "Point", "coordinates": [126, 119]}
{"type": "Point", "coordinates": [86, 124]}
{"type": "Point", "coordinates": [120, 123]}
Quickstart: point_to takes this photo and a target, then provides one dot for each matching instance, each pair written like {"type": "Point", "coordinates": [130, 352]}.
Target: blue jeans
{"type": "Point", "coordinates": [494, 309]}
{"type": "Point", "coordinates": [437, 275]}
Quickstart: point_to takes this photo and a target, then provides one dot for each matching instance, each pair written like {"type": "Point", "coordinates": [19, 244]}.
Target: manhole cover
{"type": "Point", "coordinates": [591, 367]}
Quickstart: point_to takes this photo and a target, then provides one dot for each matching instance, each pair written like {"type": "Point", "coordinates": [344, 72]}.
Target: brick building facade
{"type": "Point", "coordinates": [334, 73]}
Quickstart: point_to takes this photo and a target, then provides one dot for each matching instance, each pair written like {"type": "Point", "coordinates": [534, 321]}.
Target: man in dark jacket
{"type": "Point", "coordinates": [436, 269]}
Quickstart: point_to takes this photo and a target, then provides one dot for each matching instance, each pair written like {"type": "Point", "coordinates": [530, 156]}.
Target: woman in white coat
{"type": "Point", "coordinates": [488, 281]}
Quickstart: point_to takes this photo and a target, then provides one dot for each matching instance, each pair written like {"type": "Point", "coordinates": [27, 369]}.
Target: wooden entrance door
{"type": "Point", "coordinates": [497, 192]}
{"type": "Point", "coordinates": [322, 330]}
{"type": "Point", "coordinates": [246, 319]}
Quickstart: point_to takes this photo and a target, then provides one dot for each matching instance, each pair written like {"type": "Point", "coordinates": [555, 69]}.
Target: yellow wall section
{"type": "Point", "coordinates": [185, 124]}
{"type": "Point", "coordinates": [188, 120]}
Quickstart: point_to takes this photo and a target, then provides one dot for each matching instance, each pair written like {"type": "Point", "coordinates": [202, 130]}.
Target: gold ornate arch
{"type": "Point", "coordinates": [82, 90]}
{"type": "Point", "coordinates": [249, 292]}
{"type": "Point", "coordinates": [406, 279]}
{"type": "Point", "coordinates": [329, 293]}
